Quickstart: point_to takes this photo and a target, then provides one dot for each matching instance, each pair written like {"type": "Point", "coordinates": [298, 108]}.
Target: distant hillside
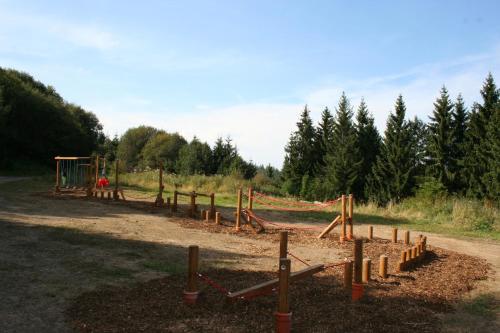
{"type": "Point", "coordinates": [36, 123]}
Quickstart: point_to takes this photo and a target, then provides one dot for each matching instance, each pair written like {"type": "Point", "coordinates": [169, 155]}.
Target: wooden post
{"type": "Point", "coordinates": [348, 275]}
{"type": "Point", "coordinates": [407, 237]}
{"type": "Point", "coordinates": [367, 270]}
{"type": "Point", "coordinates": [408, 255]}
{"type": "Point", "coordinates": [343, 219]}
{"type": "Point", "coordinates": [382, 271]}
{"type": "Point", "coordinates": [109, 195]}
{"type": "Point", "coordinates": [160, 186]}
{"type": "Point", "coordinates": [115, 191]}
{"type": "Point", "coordinates": [358, 260]}
{"type": "Point", "coordinates": [250, 203]}
{"type": "Point", "coordinates": [168, 202]}
{"type": "Point", "coordinates": [212, 205]}
{"type": "Point", "coordinates": [394, 235]}
{"type": "Point", "coordinates": [238, 210]}
{"type": "Point", "coordinates": [402, 261]}
{"type": "Point", "coordinates": [58, 175]}
{"type": "Point", "coordinates": [191, 292]}
{"type": "Point", "coordinates": [283, 244]}
{"type": "Point", "coordinates": [414, 252]}
{"type": "Point", "coordinates": [217, 217]}
{"type": "Point", "coordinates": [202, 214]}
{"type": "Point", "coordinates": [174, 206]}
{"type": "Point", "coordinates": [96, 171]}
{"type": "Point", "coordinates": [351, 209]}
{"type": "Point", "coordinates": [102, 194]}
{"type": "Point", "coordinates": [207, 216]}
{"type": "Point", "coordinates": [370, 232]}
{"type": "Point", "coordinates": [283, 315]}
{"type": "Point", "coordinates": [192, 208]}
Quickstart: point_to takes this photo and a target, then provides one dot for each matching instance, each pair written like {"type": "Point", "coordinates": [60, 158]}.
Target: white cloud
{"type": "Point", "coordinates": [261, 130]}
{"type": "Point", "coordinates": [83, 34]}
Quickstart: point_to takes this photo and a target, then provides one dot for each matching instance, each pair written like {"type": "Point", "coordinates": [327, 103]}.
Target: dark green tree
{"type": "Point", "coordinates": [323, 140]}
{"type": "Point", "coordinates": [491, 178]}
{"type": "Point", "coordinates": [194, 158]}
{"type": "Point", "coordinates": [299, 157]}
{"type": "Point", "coordinates": [460, 119]}
{"type": "Point", "coordinates": [131, 144]}
{"type": "Point", "coordinates": [368, 141]}
{"type": "Point", "coordinates": [391, 177]}
{"type": "Point", "coordinates": [163, 147]}
{"type": "Point", "coordinates": [476, 162]}
{"type": "Point", "coordinates": [441, 143]}
{"type": "Point", "coordinates": [342, 160]}
{"type": "Point", "coordinates": [224, 153]}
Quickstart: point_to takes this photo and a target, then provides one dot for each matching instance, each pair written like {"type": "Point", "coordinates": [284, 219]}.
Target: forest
{"type": "Point", "coordinates": [454, 152]}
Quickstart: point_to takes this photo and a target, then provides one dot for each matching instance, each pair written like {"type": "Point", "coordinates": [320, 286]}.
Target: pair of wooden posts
{"type": "Point", "coordinates": [395, 236]}
{"type": "Point", "coordinates": [346, 221]}
{"type": "Point", "coordinates": [361, 268]}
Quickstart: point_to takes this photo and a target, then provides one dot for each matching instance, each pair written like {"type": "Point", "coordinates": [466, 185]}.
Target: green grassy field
{"type": "Point", "coordinates": [450, 216]}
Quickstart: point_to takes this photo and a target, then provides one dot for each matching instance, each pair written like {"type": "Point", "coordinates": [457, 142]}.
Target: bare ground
{"type": "Point", "coordinates": [51, 251]}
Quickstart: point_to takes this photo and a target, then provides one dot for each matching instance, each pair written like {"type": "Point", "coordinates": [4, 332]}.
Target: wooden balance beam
{"type": "Point", "coordinates": [330, 227]}
{"type": "Point", "coordinates": [268, 286]}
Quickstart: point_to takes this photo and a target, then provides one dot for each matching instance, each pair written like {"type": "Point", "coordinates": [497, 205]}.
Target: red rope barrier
{"type": "Point", "coordinates": [302, 261]}
{"type": "Point", "coordinates": [290, 209]}
{"type": "Point", "coordinates": [296, 203]}
{"type": "Point", "coordinates": [214, 284]}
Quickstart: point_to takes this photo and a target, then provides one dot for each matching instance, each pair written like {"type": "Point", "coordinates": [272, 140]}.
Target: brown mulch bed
{"type": "Point", "coordinates": [401, 303]}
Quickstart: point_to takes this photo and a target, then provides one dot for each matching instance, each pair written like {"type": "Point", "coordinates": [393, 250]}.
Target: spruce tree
{"type": "Point", "coordinates": [440, 146]}
{"type": "Point", "coordinates": [391, 175]}
{"type": "Point", "coordinates": [323, 140]}
{"type": "Point", "coordinates": [342, 159]}
{"type": "Point", "coordinates": [299, 158]}
{"type": "Point", "coordinates": [477, 159]}
{"type": "Point", "coordinates": [368, 142]}
{"type": "Point", "coordinates": [459, 126]}
{"type": "Point", "coordinates": [491, 179]}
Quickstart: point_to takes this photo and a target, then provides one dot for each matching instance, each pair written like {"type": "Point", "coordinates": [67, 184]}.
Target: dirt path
{"type": "Point", "coordinates": [52, 250]}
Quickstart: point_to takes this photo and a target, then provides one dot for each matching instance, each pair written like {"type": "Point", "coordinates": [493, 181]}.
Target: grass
{"type": "Point", "coordinates": [485, 305]}
{"type": "Point", "coordinates": [161, 266]}
{"type": "Point", "coordinates": [448, 215]}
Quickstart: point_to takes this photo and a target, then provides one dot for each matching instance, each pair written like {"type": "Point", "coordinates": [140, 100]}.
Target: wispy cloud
{"type": "Point", "coordinates": [82, 34]}
{"type": "Point", "coordinates": [261, 130]}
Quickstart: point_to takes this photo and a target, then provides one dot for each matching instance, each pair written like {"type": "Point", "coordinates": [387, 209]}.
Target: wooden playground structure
{"type": "Point", "coordinates": [357, 273]}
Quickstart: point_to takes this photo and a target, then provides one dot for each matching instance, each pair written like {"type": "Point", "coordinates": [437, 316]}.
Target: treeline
{"type": "Point", "coordinates": [145, 147]}
{"type": "Point", "coordinates": [456, 152]}
{"type": "Point", "coordinates": [36, 123]}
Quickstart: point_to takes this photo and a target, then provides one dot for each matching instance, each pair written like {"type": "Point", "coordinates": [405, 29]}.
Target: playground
{"type": "Point", "coordinates": [114, 265]}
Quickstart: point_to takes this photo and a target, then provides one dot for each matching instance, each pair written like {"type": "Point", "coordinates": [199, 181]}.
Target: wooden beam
{"type": "Point", "coordinates": [270, 285]}
{"type": "Point", "coordinates": [71, 158]}
{"type": "Point", "coordinates": [330, 227]}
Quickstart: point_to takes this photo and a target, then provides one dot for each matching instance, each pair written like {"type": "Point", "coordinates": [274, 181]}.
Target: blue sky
{"type": "Point", "coordinates": [247, 68]}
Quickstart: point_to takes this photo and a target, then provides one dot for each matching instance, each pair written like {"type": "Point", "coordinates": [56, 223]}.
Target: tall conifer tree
{"type": "Point", "coordinates": [477, 159]}
{"type": "Point", "coordinates": [391, 175]}
{"type": "Point", "coordinates": [299, 159]}
{"type": "Point", "coordinates": [342, 159]}
{"type": "Point", "coordinates": [440, 146]}
{"type": "Point", "coordinates": [323, 140]}
{"type": "Point", "coordinates": [368, 142]}
{"type": "Point", "coordinates": [459, 126]}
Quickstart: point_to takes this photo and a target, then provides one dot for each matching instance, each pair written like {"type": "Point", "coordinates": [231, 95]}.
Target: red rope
{"type": "Point", "coordinates": [302, 261]}
{"type": "Point", "coordinates": [280, 225]}
{"type": "Point", "coordinates": [214, 284]}
{"type": "Point", "coordinates": [296, 203]}
{"type": "Point", "coordinates": [290, 209]}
